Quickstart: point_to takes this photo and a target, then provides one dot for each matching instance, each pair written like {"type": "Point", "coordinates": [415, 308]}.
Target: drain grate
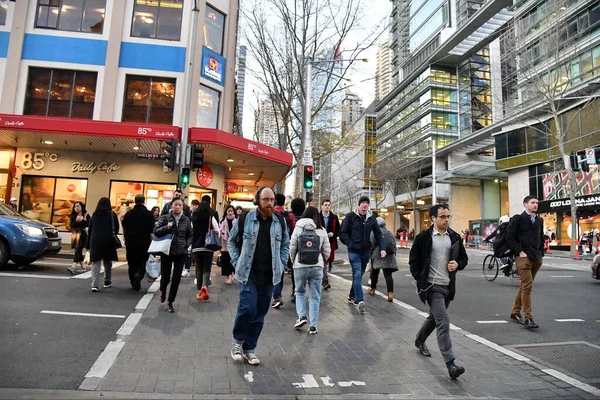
{"type": "Point", "coordinates": [579, 358]}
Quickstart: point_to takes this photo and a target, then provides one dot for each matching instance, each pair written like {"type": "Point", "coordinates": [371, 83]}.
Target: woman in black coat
{"type": "Point", "coordinates": [180, 226]}
{"type": "Point", "coordinates": [79, 220]}
{"type": "Point", "coordinates": [102, 225]}
{"type": "Point", "coordinates": [203, 218]}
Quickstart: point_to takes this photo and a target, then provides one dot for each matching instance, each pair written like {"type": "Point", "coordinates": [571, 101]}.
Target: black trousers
{"type": "Point", "coordinates": [168, 263]}
{"type": "Point", "coordinates": [136, 263]}
{"type": "Point", "coordinates": [203, 266]}
{"type": "Point", "coordinates": [387, 274]}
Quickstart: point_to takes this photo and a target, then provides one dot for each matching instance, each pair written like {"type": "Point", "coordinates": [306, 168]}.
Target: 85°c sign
{"type": "Point", "coordinates": [205, 176]}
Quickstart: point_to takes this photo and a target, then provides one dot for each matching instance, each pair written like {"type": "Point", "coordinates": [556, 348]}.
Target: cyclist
{"type": "Point", "coordinates": [506, 260]}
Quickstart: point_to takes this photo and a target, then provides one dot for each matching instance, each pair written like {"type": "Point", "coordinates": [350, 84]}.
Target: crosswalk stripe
{"type": "Point", "coordinates": [25, 275]}
{"type": "Point", "coordinates": [569, 320]}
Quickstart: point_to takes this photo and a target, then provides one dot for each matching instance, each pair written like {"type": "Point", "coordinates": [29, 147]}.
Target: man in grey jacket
{"type": "Point", "coordinates": [258, 255]}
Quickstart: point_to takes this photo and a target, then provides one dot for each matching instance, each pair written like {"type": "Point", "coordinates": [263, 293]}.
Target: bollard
{"type": "Point", "coordinates": [577, 249]}
{"type": "Point", "coordinates": [406, 241]}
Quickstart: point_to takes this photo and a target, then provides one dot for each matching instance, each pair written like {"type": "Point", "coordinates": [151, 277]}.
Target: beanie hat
{"type": "Point", "coordinates": [363, 199]}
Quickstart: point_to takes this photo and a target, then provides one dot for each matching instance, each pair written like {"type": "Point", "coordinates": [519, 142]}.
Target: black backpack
{"type": "Point", "coordinates": [309, 246]}
{"type": "Point", "coordinates": [499, 244]}
{"type": "Point", "coordinates": [242, 220]}
{"type": "Point", "coordinates": [389, 242]}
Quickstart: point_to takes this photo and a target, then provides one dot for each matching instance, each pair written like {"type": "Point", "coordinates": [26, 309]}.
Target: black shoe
{"type": "Point", "coordinates": [330, 267]}
{"type": "Point", "coordinates": [326, 285]}
{"type": "Point", "coordinates": [137, 285]}
{"type": "Point", "coordinates": [107, 284]}
{"type": "Point", "coordinates": [163, 296]}
{"type": "Point", "coordinates": [455, 371]}
{"type": "Point", "coordinates": [352, 300]}
{"type": "Point", "coordinates": [516, 318]}
{"type": "Point", "coordinates": [530, 324]}
{"type": "Point", "coordinates": [301, 322]}
{"type": "Point", "coordinates": [170, 308]}
{"type": "Point", "coordinates": [423, 349]}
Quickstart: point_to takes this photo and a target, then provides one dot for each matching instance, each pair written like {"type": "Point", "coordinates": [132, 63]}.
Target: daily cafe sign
{"type": "Point", "coordinates": [92, 167]}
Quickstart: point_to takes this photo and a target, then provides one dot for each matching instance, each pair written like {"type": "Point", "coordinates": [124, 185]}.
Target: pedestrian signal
{"type": "Point", "coordinates": [308, 177]}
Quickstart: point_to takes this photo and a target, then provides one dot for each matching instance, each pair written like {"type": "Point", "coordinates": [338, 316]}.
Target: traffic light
{"type": "Point", "coordinates": [197, 159]}
{"type": "Point", "coordinates": [185, 176]}
{"type": "Point", "coordinates": [597, 155]}
{"type": "Point", "coordinates": [170, 151]}
{"type": "Point", "coordinates": [308, 177]}
{"type": "Point", "coordinates": [309, 197]}
{"type": "Point", "coordinates": [583, 164]}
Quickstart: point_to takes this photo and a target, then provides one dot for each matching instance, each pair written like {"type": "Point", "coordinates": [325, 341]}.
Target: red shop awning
{"type": "Point", "coordinates": [254, 164]}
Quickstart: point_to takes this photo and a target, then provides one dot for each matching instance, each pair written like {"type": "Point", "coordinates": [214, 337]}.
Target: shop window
{"type": "Point", "coordinates": [71, 15]}
{"type": "Point", "coordinates": [586, 65]}
{"type": "Point", "coordinates": [3, 10]}
{"type": "Point", "coordinates": [51, 199]}
{"type": "Point", "coordinates": [60, 93]}
{"type": "Point", "coordinates": [149, 100]}
{"type": "Point", "coordinates": [122, 195]}
{"type": "Point", "coordinates": [209, 100]}
{"type": "Point", "coordinates": [214, 29]}
{"type": "Point", "coordinates": [157, 19]}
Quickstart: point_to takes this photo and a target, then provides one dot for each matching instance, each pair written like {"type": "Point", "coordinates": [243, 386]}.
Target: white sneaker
{"type": "Point", "coordinates": [195, 281]}
{"type": "Point", "coordinates": [251, 358]}
{"type": "Point", "coordinates": [185, 272]}
{"type": "Point", "coordinates": [236, 352]}
{"type": "Point", "coordinates": [361, 307]}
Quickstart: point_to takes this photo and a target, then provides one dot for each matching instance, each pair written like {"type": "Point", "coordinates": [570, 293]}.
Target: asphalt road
{"type": "Point", "coordinates": [53, 351]}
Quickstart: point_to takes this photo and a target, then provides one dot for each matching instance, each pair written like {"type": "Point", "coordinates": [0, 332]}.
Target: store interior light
{"type": "Point", "coordinates": [136, 148]}
{"type": "Point", "coordinates": [48, 142]}
{"type": "Point", "coordinates": [251, 173]}
{"type": "Point", "coordinates": [248, 181]}
{"type": "Point", "coordinates": [383, 210]}
{"type": "Point", "coordinates": [420, 202]}
{"type": "Point", "coordinates": [230, 159]}
{"type": "Point", "coordinates": [400, 207]}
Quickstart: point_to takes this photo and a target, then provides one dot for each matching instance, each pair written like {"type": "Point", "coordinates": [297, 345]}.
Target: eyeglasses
{"type": "Point", "coordinates": [444, 217]}
{"type": "Point", "coordinates": [268, 199]}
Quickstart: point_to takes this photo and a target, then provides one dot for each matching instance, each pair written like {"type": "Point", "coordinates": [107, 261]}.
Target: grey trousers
{"type": "Point", "coordinates": [96, 272]}
{"type": "Point", "coordinates": [438, 300]}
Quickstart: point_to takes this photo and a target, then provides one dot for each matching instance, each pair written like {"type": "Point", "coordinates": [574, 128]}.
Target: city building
{"type": "Point", "coordinates": [240, 78]}
{"type": "Point", "coordinates": [383, 77]}
{"type": "Point", "coordinates": [444, 60]}
{"type": "Point", "coordinates": [351, 109]}
{"type": "Point", "coordinates": [91, 90]}
{"type": "Point", "coordinates": [268, 124]}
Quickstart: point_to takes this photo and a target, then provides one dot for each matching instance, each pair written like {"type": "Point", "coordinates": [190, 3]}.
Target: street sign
{"type": "Point", "coordinates": [590, 156]}
{"type": "Point", "coordinates": [150, 156]}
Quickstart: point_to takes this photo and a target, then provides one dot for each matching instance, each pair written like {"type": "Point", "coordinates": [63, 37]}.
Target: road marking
{"type": "Point", "coordinates": [455, 328]}
{"type": "Point", "coordinates": [572, 381]}
{"type": "Point", "coordinates": [423, 314]}
{"type": "Point", "coordinates": [327, 381]}
{"type": "Point", "coordinates": [496, 347]}
{"type": "Point", "coordinates": [106, 360]}
{"type": "Point", "coordinates": [249, 376]}
{"type": "Point", "coordinates": [562, 276]}
{"type": "Point", "coordinates": [88, 274]}
{"type": "Point", "coordinates": [10, 274]}
{"type": "Point", "coordinates": [77, 314]}
{"type": "Point", "coordinates": [493, 322]}
{"type": "Point", "coordinates": [129, 324]}
{"type": "Point", "coordinates": [309, 382]}
{"type": "Point", "coordinates": [569, 320]}
{"type": "Point", "coordinates": [350, 383]}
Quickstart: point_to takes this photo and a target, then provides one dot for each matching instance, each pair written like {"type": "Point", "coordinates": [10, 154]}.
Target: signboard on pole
{"type": "Point", "coordinates": [150, 156]}
{"type": "Point", "coordinates": [590, 156]}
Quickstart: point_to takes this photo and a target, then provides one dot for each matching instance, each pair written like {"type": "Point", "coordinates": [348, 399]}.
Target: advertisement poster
{"type": "Point", "coordinates": [67, 192]}
{"type": "Point", "coordinates": [36, 197]}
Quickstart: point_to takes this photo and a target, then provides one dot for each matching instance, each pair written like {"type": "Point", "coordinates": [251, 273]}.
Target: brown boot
{"type": "Point", "coordinates": [390, 296]}
{"type": "Point", "coordinates": [372, 292]}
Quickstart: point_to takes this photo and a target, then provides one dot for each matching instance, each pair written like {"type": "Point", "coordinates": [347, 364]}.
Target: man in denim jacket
{"type": "Point", "coordinates": [259, 263]}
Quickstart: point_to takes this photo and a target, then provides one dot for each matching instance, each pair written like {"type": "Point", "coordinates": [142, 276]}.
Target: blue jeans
{"type": "Point", "coordinates": [358, 262]}
{"type": "Point", "coordinates": [277, 289]}
{"type": "Point", "coordinates": [314, 277]}
{"type": "Point", "coordinates": [254, 304]}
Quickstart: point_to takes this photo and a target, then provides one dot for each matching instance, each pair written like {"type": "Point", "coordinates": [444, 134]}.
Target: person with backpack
{"type": "Point", "coordinates": [356, 234]}
{"type": "Point", "coordinates": [388, 264]}
{"type": "Point", "coordinates": [298, 206]}
{"type": "Point", "coordinates": [259, 246]}
{"type": "Point", "coordinates": [290, 221]}
{"type": "Point", "coordinates": [501, 249]}
{"type": "Point", "coordinates": [309, 247]}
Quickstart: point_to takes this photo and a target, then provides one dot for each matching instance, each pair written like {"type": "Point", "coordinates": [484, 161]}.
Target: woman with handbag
{"type": "Point", "coordinates": [227, 223]}
{"type": "Point", "coordinates": [102, 242]}
{"type": "Point", "coordinates": [179, 226]}
{"type": "Point", "coordinates": [79, 220]}
{"type": "Point", "coordinates": [205, 226]}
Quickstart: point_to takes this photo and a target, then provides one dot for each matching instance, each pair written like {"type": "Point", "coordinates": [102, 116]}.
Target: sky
{"type": "Point", "coordinates": [362, 75]}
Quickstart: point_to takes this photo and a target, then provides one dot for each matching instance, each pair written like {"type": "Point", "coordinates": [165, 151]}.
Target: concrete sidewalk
{"type": "Point", "coordinates": [371, 355]}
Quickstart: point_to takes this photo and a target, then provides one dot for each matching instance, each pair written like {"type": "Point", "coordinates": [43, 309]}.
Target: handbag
{"type": "Point", "coordinates": [161, 245]}
{"type": "Point", "coordinates": [86, 259]}
{"type": "Point", "coordinates": [115, 239]}
{"type": "Point", "coordinates": [212, 241]}
{"type": "Point", "coordinates": [152, 269]}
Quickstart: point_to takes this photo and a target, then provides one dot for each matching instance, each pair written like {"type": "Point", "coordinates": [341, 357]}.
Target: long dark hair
{"type": "Point", "coordinates": [103, 207]}
{"type": "Point", "coordinates": [83, 210]}
{"type": "Point", "coordinates": [155, 208]}
{"type": "Point", "coordinates": [313, 213]}
{"type": "Point", "coordinates": [225, 212]}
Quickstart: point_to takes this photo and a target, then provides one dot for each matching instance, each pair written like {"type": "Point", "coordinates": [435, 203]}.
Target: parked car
{"type": "Point", "coordinates": [23, 240]}
{"type": "Point", "coordinates": [596, 267]}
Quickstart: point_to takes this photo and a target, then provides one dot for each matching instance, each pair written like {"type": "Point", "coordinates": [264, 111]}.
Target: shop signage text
{"type": "Point", "coordinates": [150, 156]}
{"type": "Point", "coordinates": [93, 167]}
{"type": "Point", "coordinates": [581, 202]}
{"type": "Point", "coordinates": [205, 176]}
{"type": "Point", "coordinates": [213, 66]}
{"type": "Point", "coordinates": [37, 160]}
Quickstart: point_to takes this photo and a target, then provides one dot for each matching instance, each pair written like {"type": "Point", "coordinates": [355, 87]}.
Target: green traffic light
{"type": "Point", "coordinates": [308, 185]}
{"type": "Point", "coordinates": [185, 179]}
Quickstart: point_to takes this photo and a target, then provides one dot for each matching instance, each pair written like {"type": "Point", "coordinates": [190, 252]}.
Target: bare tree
{"type": "Point", "coordinates": [540, 84]}
{"type": "Point", "coordinates": [283, 35]}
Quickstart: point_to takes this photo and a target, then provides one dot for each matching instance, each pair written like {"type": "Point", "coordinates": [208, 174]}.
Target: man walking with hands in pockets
{"type": "Point", "coordinates": [435, 256]}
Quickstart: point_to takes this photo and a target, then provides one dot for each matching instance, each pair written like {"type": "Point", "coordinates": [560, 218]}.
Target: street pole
{"type": "Point", "coordinates": [189, 77]}
{"type": "Point", "coordinates": [433, 180]}
{"type": "Point", "coordinates": [307, 143]}
{"type": "Point", "coordinates": [370, 167]}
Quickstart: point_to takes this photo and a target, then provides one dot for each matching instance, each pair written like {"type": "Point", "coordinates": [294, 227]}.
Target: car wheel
{"type": "Point", "coordinates": [4, 254]}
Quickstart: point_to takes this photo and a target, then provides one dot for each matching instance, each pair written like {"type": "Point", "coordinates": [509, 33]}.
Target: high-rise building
{"type": "Point", "coordinates": [351, 109]}
{"type": "Point", "coordinates": [240, 76]}
{"type": "Point", "coordinates": [268, 131]}
{"type": "Point", "coordinates": [383, 77]}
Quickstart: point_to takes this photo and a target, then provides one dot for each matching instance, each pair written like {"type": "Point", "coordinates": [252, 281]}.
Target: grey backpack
{"type": "Point", "coordinates": [309, 246]}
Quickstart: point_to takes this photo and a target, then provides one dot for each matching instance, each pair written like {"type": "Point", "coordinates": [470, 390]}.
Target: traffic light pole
{"type": "Point", "coordinates": [307, 142]}
{"type": "Point", "coordinates": [189, 82]}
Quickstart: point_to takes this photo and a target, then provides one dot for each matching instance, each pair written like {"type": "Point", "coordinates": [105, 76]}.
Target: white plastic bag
{"type": "Point", "coordinates": [86, 259]}
{"type": "Point", "coordinates": [152, 268]}
{"type": "Point", "coordinates": [161, 245]}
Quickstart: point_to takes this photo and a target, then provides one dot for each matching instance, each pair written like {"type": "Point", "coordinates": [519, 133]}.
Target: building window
{"type": "Point", "coordinates": [149, 99]}
{"type": "Point", "coordinates": [214, 29]}
{"type": "Point", "coordinates": [3, 10]}
{"type": "Point", "coordinates": [208, 107]}
{"type": "Point", "coordinates": [71, 15]}
{"type": "Point", "coordinates": [157, 19]}
{"type": "Point", "coordinates": [60, 93]}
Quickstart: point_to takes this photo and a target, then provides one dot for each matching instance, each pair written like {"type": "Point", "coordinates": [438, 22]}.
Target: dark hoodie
{"type": "Point", "coordinates": [356, 232]}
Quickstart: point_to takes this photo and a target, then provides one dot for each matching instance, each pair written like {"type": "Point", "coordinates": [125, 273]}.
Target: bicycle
{"type": "Point", "coordinates": [491, 267]}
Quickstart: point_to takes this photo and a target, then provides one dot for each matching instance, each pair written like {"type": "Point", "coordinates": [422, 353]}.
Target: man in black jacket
{"type": "Point", "coordinates": [331, 223]}
{"type": "Point", "coordinates": [524, 236]}
{"type": "Point", "coordinates": [356, 234]}
{"type": "Point", "coordinates": [435, 256]}
{"type": "Point", "coordinates": [138, 225]}
{"type": "Point", "coordinates": [177, 195]}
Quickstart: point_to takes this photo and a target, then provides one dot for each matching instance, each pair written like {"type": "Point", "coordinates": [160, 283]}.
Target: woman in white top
{"type": "Point", "coordinates": [308, 265]}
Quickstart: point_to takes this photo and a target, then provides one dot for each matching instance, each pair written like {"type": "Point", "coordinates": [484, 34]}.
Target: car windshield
{"type": "Point", "coordinates": [6, 210]}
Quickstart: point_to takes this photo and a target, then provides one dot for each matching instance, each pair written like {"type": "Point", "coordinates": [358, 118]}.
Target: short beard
{"type": "Point", "coordinates": [266, 211]}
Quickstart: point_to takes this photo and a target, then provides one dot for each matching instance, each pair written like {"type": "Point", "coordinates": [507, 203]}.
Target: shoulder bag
{"type": "Point", "coordinates": [115, 239]}
{"type": "Point", "coordinates": [212, 240]}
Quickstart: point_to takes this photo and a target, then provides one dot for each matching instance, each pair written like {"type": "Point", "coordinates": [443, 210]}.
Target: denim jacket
{"type": "Point", "coordinates": [242, 258]}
